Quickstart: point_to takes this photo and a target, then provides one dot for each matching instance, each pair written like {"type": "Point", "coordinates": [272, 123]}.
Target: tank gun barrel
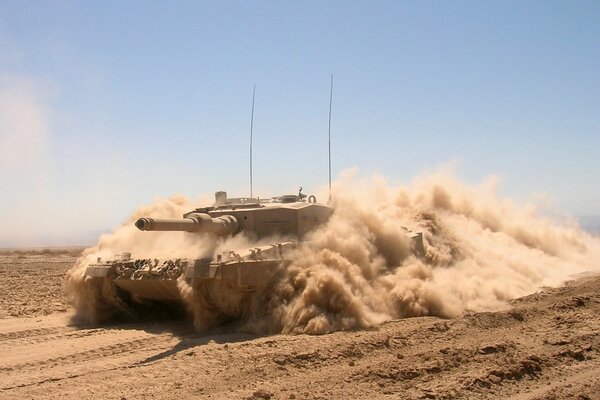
{"type": "Point", "coordinates": [195, 222]}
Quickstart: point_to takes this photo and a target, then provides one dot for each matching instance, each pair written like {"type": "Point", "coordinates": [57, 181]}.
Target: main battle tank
{"type": "Point", "coordinates": [224, 284]}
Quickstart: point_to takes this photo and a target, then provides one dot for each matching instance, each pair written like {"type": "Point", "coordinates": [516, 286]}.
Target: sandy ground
{"type": "Point", "coordinates": [546, 347]}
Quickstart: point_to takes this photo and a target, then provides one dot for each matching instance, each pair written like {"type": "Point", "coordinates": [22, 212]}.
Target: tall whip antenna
{"type": "Point", "coordinates": [251, 128]}
{"type": "Point", "coordinates": [330, 101]}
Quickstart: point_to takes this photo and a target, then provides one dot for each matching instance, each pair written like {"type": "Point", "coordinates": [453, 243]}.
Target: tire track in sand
{"type": "Point", "coordinates": [55, 351]}
{"type": "Point", "coordinates": [29, 333]}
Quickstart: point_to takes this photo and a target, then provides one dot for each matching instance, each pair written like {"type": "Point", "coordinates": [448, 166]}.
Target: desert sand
{"type": "Point", "coordinates": [546, 346]}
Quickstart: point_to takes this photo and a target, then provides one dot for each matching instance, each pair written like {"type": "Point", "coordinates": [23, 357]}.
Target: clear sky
{"type": "Point", "coordinates": [105, 105]}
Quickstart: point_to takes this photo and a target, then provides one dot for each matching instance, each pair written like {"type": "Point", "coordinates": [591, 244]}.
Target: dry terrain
{"type": "Point", "coordinates": [546, 347]}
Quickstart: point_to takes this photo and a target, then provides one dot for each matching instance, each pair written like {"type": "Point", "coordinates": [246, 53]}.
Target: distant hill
{"type": "Point", "coordinates": [81, 239]}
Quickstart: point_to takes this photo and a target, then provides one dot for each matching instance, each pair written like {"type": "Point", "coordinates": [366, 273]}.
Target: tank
{"type": "Point", "coordinates": [227, 282]}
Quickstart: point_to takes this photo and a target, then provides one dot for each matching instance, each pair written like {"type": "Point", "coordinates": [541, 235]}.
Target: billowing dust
{"type": "Point", "coordinates": [357, 270]}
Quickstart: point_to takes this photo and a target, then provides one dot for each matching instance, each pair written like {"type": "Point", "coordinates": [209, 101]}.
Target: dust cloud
{"type": "Point", "coordinates": [481, 251]}
{"type": "Point", "coordinates": [24, 123]}
{"type": "Point", "coordinates": [358, 271]}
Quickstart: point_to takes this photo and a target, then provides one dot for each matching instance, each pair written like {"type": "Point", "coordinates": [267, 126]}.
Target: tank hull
{"type": "Point", "coordinates": [222, 285]}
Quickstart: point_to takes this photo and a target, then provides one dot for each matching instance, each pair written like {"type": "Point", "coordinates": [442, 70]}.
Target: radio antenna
{"type": "Point", "coordinates": [330, 101]}
{"type": "Point", "coordinates": [251, 129]}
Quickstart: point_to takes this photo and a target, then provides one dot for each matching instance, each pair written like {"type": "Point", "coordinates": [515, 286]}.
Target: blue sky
{"type": "Point", "coordinates": [104, 105]}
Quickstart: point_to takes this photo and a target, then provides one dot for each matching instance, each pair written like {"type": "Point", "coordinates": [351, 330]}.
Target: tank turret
{"type": "Point", "coordinates": [291, 216]}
